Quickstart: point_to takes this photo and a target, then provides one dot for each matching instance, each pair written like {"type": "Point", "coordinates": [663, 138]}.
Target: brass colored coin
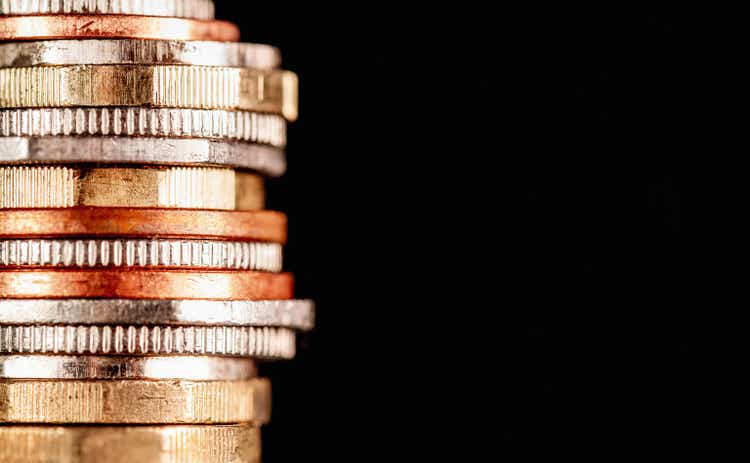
{"type": "Point", "coordinates": [135, 402]}
{"type": "Point", "coordinates": [29, 187]}
{"type": "Point", "coordinates": [130, 444]}
{"type": "Point", "coordinates": [200, 87]}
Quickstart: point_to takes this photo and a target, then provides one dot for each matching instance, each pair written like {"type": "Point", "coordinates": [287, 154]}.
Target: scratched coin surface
{"type": "Point", "coordinates": [196, 9]}
{"type": "Point", "coordinates": [131, 51]}
{"type": "Point", "coordinates": [295, 314]}
{"type": "Point", "coordinates": [192, 368]}
{"type": "Point", "coordinates": [134, 402]}
{"type": "Point", "coordinates": [130, 444]}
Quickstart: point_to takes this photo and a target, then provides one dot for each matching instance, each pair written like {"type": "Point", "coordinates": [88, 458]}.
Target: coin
{"type": "Point", "coordinates": [297, 314]}
{"type": "Point", "coordinates": [145, 122]}
{"type": "Point", "coordinates": [119, 368]}
{"type": "Point", "coordinates": [128, 444]}
{"type": "Point", "coordinates": [131, 51]}
{"type": "Point", "coordinates": [166, 187]}
{"type": "Point", "coordinates": [201, 254]}
{"type": "Point", "coordinates": [87, 26]}
{"type": "Point", "coordinates": [199, 87]}
{"type": "Point", "coordinates": [197, 9]}
{"type": "Point", "coordinates": [230, 341]}
{"type": "Point", "coordinates": [124, 150]}
{"type": "Point", "coordinates": [134, 402]}
{"type": "Point", "coordinates": [120, 223]}
{"type": "Point", "coordinates": [145, 284]}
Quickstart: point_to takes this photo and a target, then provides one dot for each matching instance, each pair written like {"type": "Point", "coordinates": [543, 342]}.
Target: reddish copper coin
{"type": "Point", "coordinates": [115, 27]}
{"type": "Point", "coordinates": [143, 223]}
{"type": "Point", "coordinates": [145, 284]}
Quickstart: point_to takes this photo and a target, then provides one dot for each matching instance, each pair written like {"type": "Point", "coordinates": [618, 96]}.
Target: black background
{"type": "Point", "coordinates": [487, 207]}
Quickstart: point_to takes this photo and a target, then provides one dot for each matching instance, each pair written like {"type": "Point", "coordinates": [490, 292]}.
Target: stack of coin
{"type": "Point", "coordinates": [140, 276]}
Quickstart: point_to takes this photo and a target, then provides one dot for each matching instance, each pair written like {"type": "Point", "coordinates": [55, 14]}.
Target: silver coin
{"type": "Point", "coordinates": [297, 314]}
{"type": "Point", "coordinates": [119, 368]}
{"type": "Point", "coordinates": [129, 51]}
{"type": "Point", "coordinates": [245, 126]}
{"type": "Point", "coordinates": [231, 341]}
{"type": "Point", "coordinates": [194, 9]}
{"type": "Point", "coordinates": [142, 253]}
{"type": "Point", "coordinates": [126, 150]}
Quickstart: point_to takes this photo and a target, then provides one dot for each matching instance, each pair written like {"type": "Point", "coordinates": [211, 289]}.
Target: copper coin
{"type": "Point", "coordinates": [143, 223]}
{"type": "Point", "coordinates": [145, 284]}
{"type": "Point", "coordinates": [115, 27]}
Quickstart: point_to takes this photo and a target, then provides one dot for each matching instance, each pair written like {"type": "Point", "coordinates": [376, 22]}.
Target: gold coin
{"type": "Point", "coordinates": [128, 444]}
{"type": "Point", "coordinates": [134, 402]}
{"type": "Point", "coordinates": [29, 187]}
{"type": "Point", "coordinates": [200, 87]}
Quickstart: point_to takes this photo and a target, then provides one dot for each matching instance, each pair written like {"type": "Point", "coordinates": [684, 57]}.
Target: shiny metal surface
{"type": "Point", "coordinates": [296, 314]}
{"type": "Point", "coordinates": [123, 150]}
{"type": "Point", "coordinates": [192, 368]}
{"type": "Point", "coordinates": [132, 51]}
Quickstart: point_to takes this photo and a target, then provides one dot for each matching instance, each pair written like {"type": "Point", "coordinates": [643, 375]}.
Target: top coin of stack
{"type": "Point", "coordinates": [140, 276]}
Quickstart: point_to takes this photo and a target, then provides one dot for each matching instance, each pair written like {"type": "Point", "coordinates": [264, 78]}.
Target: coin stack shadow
{"type": "Point", "coordinates": [141, 278]}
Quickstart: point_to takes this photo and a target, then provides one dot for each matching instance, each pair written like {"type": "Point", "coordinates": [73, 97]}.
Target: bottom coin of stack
{"type": "Point", "coordinates": [97, 380]}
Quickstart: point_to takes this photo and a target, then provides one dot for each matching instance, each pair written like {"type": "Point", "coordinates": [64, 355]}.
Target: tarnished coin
{"type": "Point", "coordinates": [130, 51]}
{"type": "Point", "coordinates": [27, 187]}
{"type": "Point", "coordinates": [196, 9]}
{"type": "Point", "coordinates": [130, 444]}
{"type": "Point", "coordinates": [161, 86]}
{"type": "Point", "coordinates": [134, 402]}
{"type": "Point", "coordinates": [295, 314]}
{"type": "Point", "coordinates": [131, 150]}
{"type": "Point", "coordinates": [118, 368]}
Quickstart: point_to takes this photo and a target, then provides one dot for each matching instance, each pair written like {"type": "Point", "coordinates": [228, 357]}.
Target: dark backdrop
{"type": "Point", "coordinates": [487, 207]}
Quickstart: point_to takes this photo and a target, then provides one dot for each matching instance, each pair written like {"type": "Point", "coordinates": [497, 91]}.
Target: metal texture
{"type": "Point", "coordinates": [297, 314]}
{"type": "Point", "coordinates": [124, 150]}
{"type": "Point", "coordinates": [145, 284]}
{"type": "Point", "coordinates": [195, 9]}
{"type": "Point", "coordinates": [231, 341]}
{"type": "Point", "coordinates": [134, 402]}
{"type": "Point", "coordinates": [89, 26]}
{"type": "Point", "coordinates": [198, 87]}
{"type": "Point", "coordinates": [194, 254]}
{"type": "Point", "coordinates": [215, 124]}
{"type": "Point", "coordinates": [129, 51]}
{"type": "Point", "coordinates": [120, 223]}
{"type": "Point", "coordinates": [28, 187]}
{"type": "Point", "coordinates": [130, 444]}
{"type": "Point", "coordinates": [192, 368]}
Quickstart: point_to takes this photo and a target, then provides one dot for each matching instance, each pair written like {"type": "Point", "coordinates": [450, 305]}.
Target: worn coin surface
{"type": "Point", "coordinates": [296, 314]}
{"type": "Point", "coordinates": [192, 368]}
{"type": "Point", "coordinates": [124, 51]}
{"type": "Point", "coordinates": [131, 150]}
{"type": "Point", "coordinates": [195, 254]}
{"type": "Point", "coordinates": [134, 402]}
{"type": "Point", "coordinates": [91, 26]}
{"type": "Point", "coordinates": [196, 9]}
{"type": "Point", "coordinates": [145, 284]}
{"type": "Point", "coordinates": [120, 223]}
{"type": "Point", "coordinates": [216, 124]}
{"type": "Point", "coordinates": [129, 444]}
{"type": "Point", "coordinates": [162, 86]}
{"type": "Point", "coordinates": [266, 343]}
{"type": "Point", "coordinates": [24, 187]}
